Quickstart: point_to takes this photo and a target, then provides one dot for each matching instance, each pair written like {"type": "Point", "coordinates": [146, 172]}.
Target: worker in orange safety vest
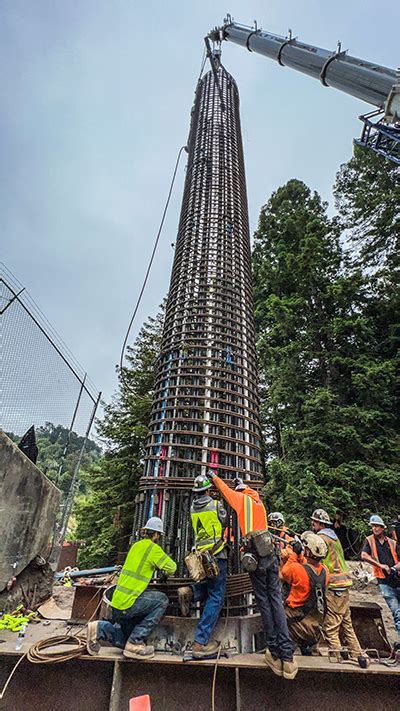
{"type": "Point", "coordinates": [264, 576]}
{"type": "Point", "coordinates": [383, 554]}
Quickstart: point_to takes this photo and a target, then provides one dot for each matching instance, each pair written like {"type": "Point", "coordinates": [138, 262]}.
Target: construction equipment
{"type": "Point", "coordinates": [372, 83]}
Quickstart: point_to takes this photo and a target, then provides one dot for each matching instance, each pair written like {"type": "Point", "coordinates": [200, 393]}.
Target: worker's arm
{"type": "Point", "coordinates": [289, 568]}
{"type": "Point", "coordinates": [367, 558]}
{"type": "Point", "coordinates": [233, 498]}
{"type": "Point", "coordinates": [163, 562]}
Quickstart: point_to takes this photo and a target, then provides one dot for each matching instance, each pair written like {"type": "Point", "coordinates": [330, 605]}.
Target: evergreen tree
{"type": "Point", "coordinates": [367, 196]}
{"type": "Point", "coordinates": [105, 516]}
{"type": "Point", "coordinates": [327, 430]}
{"type": "Point", "coordinates": [51, 440]}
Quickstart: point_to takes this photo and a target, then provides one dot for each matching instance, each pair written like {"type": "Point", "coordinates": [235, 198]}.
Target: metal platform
{"type": "Point", "coordinates": [108, 681]}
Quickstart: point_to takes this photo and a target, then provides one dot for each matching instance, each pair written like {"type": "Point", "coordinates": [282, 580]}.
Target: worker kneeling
{"type": "Point", "coordinates": [208, 520]}
{"type": "Point", "coordinates": [135, 611]}
{"type": "Point", "coordinates": [306, 603]}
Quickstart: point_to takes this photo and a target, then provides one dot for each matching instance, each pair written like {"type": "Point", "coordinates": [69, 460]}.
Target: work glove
{"type": "Point", "coordinates": [297, 546]}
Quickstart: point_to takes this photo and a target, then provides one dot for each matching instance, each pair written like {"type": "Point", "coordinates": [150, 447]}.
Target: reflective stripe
{"type": "Point", "coordinates": [142, 578]}
{"type": "Point", "coordinates": [145, 556]}
{"type": "Point", "coordinates": [207, 527]}
{"type": "Point", "coordinates": [161, 561]}
{"type": "Point", "coordinates": [127, 591]}
{"type": "Point", "coordinates": [135, 574]}
{"type": "Point", "coordinates": [378, 572]}
{"type": "Point", "coordinates": [248, 514]}
{"type": "Point", "coordinates": [339, 576]}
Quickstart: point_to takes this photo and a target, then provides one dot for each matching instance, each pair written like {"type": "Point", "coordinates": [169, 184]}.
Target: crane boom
{"type": "Point", "coordinates": [364, 80]}
{"type": "Point", "coordinates": [377, 85]}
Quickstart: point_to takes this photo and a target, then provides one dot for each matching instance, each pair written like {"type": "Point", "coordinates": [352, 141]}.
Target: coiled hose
{"type": "Point", "coordinates": [37, 654]}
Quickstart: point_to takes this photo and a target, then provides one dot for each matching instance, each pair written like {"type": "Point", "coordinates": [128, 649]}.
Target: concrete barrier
{"type": "Point", "coordinates": [28, 506]}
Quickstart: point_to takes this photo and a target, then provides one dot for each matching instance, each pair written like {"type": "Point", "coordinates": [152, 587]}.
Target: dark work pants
{"type": "Point", "coordinates": [267, 591]}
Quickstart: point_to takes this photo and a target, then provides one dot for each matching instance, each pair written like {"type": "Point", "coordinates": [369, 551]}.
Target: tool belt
{"type": "Point", "coordinates": [260, 543]}
{"type": "Point", "coordinates": [194, 564]}
{"type": "Point", "coordinates": [203, 564]}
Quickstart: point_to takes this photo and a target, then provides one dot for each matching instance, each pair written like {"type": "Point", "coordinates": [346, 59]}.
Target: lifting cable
{"type": "Point", "coordinates": [183, 148]}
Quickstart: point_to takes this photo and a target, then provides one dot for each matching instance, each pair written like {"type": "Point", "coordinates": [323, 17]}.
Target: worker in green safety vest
{"type": "Point", "coordinates": [208, 521]}
{"type": "Point", "coordinates": [134, 610]}
{"type": "Point", "coordinates": [337, 623]}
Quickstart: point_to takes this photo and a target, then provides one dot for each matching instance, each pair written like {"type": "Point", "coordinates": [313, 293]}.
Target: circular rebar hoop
{"type": "Point", "coordinates": [206, 407]}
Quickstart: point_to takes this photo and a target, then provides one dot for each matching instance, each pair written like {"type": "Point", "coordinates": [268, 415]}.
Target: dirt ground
{"type": "Point", "coordinates": [366, 589]}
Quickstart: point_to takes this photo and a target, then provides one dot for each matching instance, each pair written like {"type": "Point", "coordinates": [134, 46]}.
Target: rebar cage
{"type": "Point", "coordinates": [206, 409]}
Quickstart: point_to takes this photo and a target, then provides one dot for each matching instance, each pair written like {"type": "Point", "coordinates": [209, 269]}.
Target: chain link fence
{"type": "Point", "coordinates": [42, 385]}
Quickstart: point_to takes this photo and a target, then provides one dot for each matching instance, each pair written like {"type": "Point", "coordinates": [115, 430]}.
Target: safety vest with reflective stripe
{"type": "Point", "coordinates": [207, 527]}
{"type": "Point", "coordinates": [254, 516]}
{"type": "Point", "coordinates": [378, 572]}
{"type": "Point", "coordinates": [339, 576]}
{"type": "Point", "coordinates": [142, 560]}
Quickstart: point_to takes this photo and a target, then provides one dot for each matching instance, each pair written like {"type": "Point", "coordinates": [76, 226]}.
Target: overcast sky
{"type": "Point", "coordinates": [95, 103]}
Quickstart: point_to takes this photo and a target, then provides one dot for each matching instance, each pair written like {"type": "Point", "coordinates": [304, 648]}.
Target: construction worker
{"type": "Point", "coordinates": [252, 517]}
{"type": "Point", "coordinates": [208, 521]}
{"type": "Point", "coordinates": [396, 529]}
{"type": "Point", "coordinates": [276, 522]}
{"type": "Point", "coordinates": [135, 611]}
{"type": "Point", "coordinates": [383, 554]}
{"type": "Point", "coordinates": [305, 605]}
{"type": "Point", "coordinates": [338, 617]}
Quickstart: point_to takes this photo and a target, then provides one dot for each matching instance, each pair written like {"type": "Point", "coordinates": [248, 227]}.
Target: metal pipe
{"type": "Point", "coordinates": [58, 543]}
{"type": "Point", "coordinates": [363, 80]}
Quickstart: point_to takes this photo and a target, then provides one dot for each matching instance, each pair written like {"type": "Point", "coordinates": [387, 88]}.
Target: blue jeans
{"type": "Point", "coordinates": [213, 589]}
{"type": "Point", "coordinates": [267, 591]}
{"type": "Point", "coordinates": [392, 597]}
{"type": "Point", "coordinates": [135, 623]}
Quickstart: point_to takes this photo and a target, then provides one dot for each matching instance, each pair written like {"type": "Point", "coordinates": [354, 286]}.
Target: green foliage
{"type": "Point", "coordinates": [326, 342]}
{"type": "Point", "coordinates": [104, 516]}
{"type": "Point", "coordinates": [51, 441]}
{"type": "Point", "coordinates": [367, 196]}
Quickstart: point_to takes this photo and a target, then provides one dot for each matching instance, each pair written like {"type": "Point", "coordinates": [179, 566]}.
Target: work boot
{"type": "Point", "coordinates": [290, 669]}
{"type": "Point", "coordinates": [185, 596]}
{"type": "Point", "coordinates": [92, 643]}
{"type": "Point", "coordinates": [138, 650]}
{"type": "Point", "coordinates": [274, 664]}
{"type": "Point", "coordinates": [205, 651]}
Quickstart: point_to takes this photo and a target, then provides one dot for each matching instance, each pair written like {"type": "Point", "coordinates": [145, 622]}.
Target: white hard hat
{"type": "Point", "coordinates": [376, 520]}
{"type": "Point", "coordinates": [154, 524]}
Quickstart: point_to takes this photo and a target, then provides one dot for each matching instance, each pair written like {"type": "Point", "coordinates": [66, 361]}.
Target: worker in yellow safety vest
{"type": "Point", "coordinates": [134, 610]}
{"type": "Point", "coordinates": [338, 618]}
{"type": "Point", "coordinates": [208, 518]}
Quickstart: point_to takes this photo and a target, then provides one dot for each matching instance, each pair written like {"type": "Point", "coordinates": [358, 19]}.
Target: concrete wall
{"type": "Point", "coordinates": [28, 506]}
